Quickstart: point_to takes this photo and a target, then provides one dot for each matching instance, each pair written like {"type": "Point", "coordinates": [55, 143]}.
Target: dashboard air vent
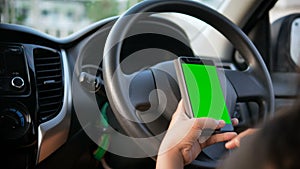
{"type": "Point", "coordinates": [49, 78]}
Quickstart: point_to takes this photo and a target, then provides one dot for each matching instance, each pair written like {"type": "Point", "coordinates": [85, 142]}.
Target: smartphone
{"type": "Point", "coordinates": [201, 90]}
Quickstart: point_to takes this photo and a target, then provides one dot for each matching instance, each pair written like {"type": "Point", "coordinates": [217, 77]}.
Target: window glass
{"type": "Point", "coordinates": [61, 18]}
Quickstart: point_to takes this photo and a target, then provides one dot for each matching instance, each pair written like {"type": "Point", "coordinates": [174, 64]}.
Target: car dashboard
{"type": "Point", "coordinates": [37, 113]}
{"type": "Point", "coordinates": [35, 99]}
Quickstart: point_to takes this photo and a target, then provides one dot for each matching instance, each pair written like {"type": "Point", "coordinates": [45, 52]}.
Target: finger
{"type": "Point", "coordinates": [207, 123]}
{"type": "Point", "coordinates": [179, 114]}
{"type": "Point", "coordinates": [235, 121]}
{"type": "Point", "coordinates": [205, 127]}
{"type": "Point", "coordinates": [221, 124]}
{"type": "Point", "coordinates": [235, 142]}
{"type": "Point", "coordinates": [218, 138]}
{"type": "Point", "coordinates": [180, 111]}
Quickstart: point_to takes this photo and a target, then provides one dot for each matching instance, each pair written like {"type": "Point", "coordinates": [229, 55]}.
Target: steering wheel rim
{"type": "Point", "coordinates": [256, 73]}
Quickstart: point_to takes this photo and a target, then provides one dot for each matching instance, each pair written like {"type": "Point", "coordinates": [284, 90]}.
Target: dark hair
{"type": "Point", "coordinates": [281, 139]}
{"type": "Point", "coordinates": [275, 146]}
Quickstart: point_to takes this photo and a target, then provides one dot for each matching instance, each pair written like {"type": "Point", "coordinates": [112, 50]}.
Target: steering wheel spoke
{"type": "Point", "coordinates": [247, 87]}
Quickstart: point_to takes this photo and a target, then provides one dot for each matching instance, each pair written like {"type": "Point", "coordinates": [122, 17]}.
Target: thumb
{"type": "Point", "coordinates": [179, 114]}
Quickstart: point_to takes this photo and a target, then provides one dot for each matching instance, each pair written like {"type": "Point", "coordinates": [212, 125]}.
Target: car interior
{"type": "Point", "coordinates": [103, 97]}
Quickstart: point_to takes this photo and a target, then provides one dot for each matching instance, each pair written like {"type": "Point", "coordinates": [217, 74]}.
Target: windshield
{"type": "Point", "coordinates": [61, 18]}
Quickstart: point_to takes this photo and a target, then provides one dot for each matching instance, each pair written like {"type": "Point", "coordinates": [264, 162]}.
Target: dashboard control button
{"type": "Point", "coordinates": [17, 82]}
{"type": "Point", "coordinates": [13, 123]}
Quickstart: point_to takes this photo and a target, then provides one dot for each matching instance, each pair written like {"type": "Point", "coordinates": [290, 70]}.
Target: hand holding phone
{"type": "Point", "coordinates": [201, 90]}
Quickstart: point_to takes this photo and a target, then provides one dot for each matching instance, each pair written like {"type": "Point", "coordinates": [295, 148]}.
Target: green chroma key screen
{"type": "Point", "coordinates": [205, 92]}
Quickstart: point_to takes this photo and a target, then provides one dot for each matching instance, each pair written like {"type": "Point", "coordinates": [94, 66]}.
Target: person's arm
{"type": "Point", "coordinates": [184, 139]}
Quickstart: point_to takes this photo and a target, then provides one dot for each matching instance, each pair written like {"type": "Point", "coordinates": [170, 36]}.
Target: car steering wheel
{"type": "Point", "coordinates": [129, 95]}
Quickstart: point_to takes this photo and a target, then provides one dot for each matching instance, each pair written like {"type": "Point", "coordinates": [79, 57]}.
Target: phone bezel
{"type": "Point", "coordinates": [184, 90]}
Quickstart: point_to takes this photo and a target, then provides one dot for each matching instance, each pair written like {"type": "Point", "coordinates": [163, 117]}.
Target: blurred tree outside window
{"type": "Point", "coordinates": [60, 18]}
